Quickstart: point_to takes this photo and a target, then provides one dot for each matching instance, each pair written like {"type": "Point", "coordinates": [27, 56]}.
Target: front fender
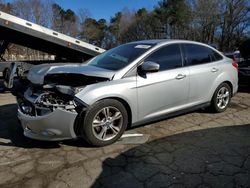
{"type": "Point", "coordinates": [124, 89]}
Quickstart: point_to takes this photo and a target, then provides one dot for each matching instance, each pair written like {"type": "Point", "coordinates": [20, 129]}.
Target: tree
{"type": "Point", "coordinates": [114, 29]}
{"type": "Point", "coordinates": [65, 21]}
{"type": "Point", "coordinates": [71, 22]}
{"type": "Point", "coordinates": [5, 7]}
{"type": "Point", "coordinates": [175, 15]}
{"type": "Point", "coordinates": [36, 11]}
{"type": "Point", "coordinates": [83, 14]}
{"type": "Point", "coordinates": [141, 12]}
{"type": "Point", "coordinates": [225, 22]}
{"type": "Point", "coordinates": [41, 12]}
{"type": "Point", "coordinates": [119, 24]}
{"type": "Point", "coordinates": [143, 27]}
{"type": "Point", "coordinates": [206, 17]}
{"type": "Point", "coordinates": [94, 31]}
{"type": "Point", "coordinates": [234, 22]}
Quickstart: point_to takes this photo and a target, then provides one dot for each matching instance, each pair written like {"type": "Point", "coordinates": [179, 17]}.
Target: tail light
{"type": "Point", "coordinates": [235, 64]}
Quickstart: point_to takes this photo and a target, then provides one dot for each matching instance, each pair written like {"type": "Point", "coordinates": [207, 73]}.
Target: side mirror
{"type": "Point", "coordinates": [150, 66]}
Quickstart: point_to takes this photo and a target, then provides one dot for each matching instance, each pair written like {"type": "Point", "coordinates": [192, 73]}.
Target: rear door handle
{"type": "Point", "coordinates": [214, 70]}
{"type": "Point", "coordinates": [180, 76]}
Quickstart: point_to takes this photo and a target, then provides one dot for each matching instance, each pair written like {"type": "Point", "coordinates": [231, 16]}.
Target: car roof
{"type": "Point", "coordinates": [165, 41]}
{"type": "Point", "coordinates": [157, 42]}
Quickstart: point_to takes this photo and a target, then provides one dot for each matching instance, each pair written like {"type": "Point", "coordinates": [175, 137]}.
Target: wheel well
{"type": "Point", "coordinates": [126, 105]}
{"type": "Point", "coordinates": [81, 115]}
{"type": "Point", "coordinates": [230, 85]}
{"type": "Point", "coordinates": [226, 82]}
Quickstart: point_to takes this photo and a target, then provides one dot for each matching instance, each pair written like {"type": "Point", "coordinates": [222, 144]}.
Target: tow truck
{"type": "Point", "coordinates": [22, 32]}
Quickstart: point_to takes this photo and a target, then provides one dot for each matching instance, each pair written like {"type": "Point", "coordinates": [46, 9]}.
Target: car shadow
{"type": "Point", "coordinates": [216, 157]}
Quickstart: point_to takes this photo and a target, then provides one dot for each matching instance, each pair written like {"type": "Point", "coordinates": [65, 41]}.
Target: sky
{"type": "Point", "coordinates": [106, 8]}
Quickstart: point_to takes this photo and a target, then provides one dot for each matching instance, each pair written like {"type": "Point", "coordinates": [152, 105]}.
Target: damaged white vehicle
{"type": "Point", "coordinates": [128, 85]}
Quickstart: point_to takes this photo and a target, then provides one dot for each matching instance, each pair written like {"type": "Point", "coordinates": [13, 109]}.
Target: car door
{"type": "Point", "coordinates": [204, 67]}
{"type": "Point", "coordinates": [166, 90]}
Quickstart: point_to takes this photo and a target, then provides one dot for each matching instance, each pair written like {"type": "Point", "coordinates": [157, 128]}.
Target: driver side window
{"type": "Point", "coordinates": [168, 57]}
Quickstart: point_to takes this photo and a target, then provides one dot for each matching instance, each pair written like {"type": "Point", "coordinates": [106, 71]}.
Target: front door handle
{"type": "Point", "coordinates": [180, 76]}
{"type": "Point", "coordinates": [214, 70]}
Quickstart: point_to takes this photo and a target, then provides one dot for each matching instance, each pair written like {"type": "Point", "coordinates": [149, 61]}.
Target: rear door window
{"type": "Point", "coordinates": [198, 54]}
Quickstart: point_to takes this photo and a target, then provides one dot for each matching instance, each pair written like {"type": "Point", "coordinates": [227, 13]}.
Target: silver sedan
{"type": "Point", "coordinates": [126, 86]}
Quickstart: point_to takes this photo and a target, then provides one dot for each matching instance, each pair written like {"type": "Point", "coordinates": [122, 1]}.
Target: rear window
{"type": "Point", "coordinates": [216, 55]}
{"type": "Point", "coordinates": [198, 54]}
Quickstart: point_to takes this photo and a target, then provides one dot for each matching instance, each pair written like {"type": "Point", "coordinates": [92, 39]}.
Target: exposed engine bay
{"type": "Point", "coordinates": [50, 87]}
{"type": "Point", "coordinates": [39, 100]}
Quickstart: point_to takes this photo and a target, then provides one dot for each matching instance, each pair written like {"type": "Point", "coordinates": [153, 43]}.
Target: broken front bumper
{"type": "Point", "coordinates": [57, 125]}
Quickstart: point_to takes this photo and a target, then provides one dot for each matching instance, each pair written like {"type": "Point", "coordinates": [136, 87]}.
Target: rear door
{"type": "Point", "coordinates": [204, 67]}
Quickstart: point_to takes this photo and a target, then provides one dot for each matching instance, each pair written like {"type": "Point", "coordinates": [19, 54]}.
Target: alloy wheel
{"type": "Point", "coordinates": [107, 123]}
{"type": "Point", "coordinates": [223, 97]}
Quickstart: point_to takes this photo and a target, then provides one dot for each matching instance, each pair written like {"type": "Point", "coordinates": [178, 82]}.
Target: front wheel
{"type": "Point", "coordinates": [104, 122]}
{"type": "Point", "coordinates": [221, 98]}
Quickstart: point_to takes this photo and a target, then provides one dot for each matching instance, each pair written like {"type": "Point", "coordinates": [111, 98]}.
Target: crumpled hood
{"type": "Point", "coordinates": [37, 74]}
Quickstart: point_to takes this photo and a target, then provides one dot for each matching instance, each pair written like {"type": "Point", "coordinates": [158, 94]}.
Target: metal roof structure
{"type": "Point", "coordinates": [22, 32]}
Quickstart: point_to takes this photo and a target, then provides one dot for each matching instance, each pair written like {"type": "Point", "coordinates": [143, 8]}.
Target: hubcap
{"type": "Point", "coordinates": [223, 97]}
{"type": "Point", "coordinates": [107, 123]}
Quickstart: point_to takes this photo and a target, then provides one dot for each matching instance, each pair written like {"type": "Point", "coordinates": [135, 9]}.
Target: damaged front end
{"type": "Point", "coordinates": [48, 109]}
{"type": "Point", "coordinates": [47, 114]}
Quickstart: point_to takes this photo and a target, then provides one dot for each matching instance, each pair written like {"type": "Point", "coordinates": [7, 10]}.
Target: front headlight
{"type": "Point", "coordinates": [78, 89]}
{"type": "Point", "coordinates": [68, 90]}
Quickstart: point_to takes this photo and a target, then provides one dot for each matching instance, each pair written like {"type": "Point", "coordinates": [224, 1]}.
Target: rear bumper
{"type": "Point", "coordinates": [58, 125]}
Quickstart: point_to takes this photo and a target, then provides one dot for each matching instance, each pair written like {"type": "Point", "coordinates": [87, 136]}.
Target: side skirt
{"type": "Point", "coordinates": [172, 114]}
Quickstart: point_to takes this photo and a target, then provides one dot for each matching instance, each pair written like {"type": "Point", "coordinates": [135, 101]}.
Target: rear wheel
{"type": "Point", "coordinates": [104, 122]}
{"type": "Point", "coordinates": [221, 98]}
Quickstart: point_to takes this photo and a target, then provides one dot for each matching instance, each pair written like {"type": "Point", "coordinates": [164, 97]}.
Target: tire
{"type": "Point", "coordinates": [221, 98]}
{"type": "Point", "coordinates": [104, 122]}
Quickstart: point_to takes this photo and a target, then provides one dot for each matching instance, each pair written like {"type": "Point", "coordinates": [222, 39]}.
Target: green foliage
{"type": "Point", "coordinates": [94, 31]}
{"type": "Point", "coordinates": [64, 21]}
{"type": "Point", "coordinates": [141, 12]}
{"type": "Point", "coordinates": [143, 27]}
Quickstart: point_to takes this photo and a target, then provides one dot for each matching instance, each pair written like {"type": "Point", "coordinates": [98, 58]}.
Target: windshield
{"type": "Point", "coordinates": [119, 57]}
